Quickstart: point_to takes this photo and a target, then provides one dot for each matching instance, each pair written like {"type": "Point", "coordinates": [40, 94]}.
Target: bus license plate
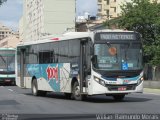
{"type": "Point", "coordinates": [121, 88]}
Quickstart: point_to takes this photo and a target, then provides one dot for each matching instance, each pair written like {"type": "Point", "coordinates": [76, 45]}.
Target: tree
{"type": "Point", "coordinates": [2, 1]}
{"type": "Point", "coordinates": [144, 17]}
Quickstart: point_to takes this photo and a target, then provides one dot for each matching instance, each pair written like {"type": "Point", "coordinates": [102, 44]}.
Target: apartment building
{"type": "Point", "coordinates": [45, 17]}
{"type": "Point", "coordinates": [4, 31]}
{"type": "Point", "coordinates": [108, 9]}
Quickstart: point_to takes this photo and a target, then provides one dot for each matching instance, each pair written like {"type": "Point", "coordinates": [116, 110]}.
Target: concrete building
{"type": "Point", "coordinates": [21, 32]}
{"type": "Point", "coordinates": [10, 41]}
{"type": "Point", "coordinates": [108, 9]}
{"type": "Point", "coordinates": [45, 17]}
{"type": "Point", "coordinates": [5, 31]}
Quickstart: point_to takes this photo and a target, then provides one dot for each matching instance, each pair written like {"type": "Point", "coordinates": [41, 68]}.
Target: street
{"type": "Point", "coordinates": [15, 100]}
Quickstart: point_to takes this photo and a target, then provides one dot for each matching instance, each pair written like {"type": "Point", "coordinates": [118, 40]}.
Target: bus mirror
{"type": "Point", "coordinates": [92, 51]}
{"type": "Point", "coordinates": [94, 59]}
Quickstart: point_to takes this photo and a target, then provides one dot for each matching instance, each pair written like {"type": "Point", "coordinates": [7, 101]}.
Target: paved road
{"type": "Point", "coordinates": [15, 100]}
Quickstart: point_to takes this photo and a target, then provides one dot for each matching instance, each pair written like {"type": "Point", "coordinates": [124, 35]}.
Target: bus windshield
{"type": "Point", "coordinates": [7, 60]}
{"type": "Point", "coordinates": [121, 56]}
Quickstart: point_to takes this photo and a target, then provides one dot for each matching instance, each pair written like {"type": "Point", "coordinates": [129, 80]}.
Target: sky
{"type": "Point", "coordinates": [11, 11]}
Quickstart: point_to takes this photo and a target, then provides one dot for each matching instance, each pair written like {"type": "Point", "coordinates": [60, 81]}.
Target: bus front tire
{"type": "Point", "coordinates": [76, 92]}
{"type": "Point", "coordinates": [119, 97]}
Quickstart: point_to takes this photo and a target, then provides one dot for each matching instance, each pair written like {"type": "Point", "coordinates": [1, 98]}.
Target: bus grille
{"type": "Point", "coordinates": [116, 87]}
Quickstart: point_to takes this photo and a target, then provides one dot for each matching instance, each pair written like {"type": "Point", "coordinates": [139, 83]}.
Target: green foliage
{"type": "Point", "coordinates": [2, 1]}
{"type": "Point", "coordinates": [143, 17]}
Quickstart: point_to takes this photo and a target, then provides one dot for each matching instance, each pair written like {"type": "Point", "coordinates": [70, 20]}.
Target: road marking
{"type": "Point", "coordinates": [2, 86]}
{"type": "Point", "coordinates": [10, 90]}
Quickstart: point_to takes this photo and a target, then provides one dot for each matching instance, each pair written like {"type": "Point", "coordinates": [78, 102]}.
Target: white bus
{"type": "Point", "coordinates": [82, 63]}
{"type": "Point", "coordinates": [7, 66]}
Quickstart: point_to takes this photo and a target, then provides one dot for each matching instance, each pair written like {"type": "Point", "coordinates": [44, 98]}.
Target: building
{"type": "Point", "coordinates": [10, 41]}
{"type": "Point", "coordinates": [45, 17]}
{"type": "Point", "coordinates": [108, 9]}
{"type": "Point", "coordinates": [5, 32]}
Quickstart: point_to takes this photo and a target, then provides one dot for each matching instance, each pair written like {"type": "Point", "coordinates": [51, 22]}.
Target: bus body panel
{"type": "Point", "coordinates": [50, 77]}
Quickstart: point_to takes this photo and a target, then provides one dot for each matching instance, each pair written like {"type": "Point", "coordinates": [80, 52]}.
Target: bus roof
{"type": "Point", "coordinates": [69, 35]}
{"type": "Point", "coordinates": [52, 38]}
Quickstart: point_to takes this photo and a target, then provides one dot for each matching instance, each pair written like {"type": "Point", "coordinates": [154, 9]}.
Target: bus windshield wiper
{"type": "Point", "coordinates": [2, 59]}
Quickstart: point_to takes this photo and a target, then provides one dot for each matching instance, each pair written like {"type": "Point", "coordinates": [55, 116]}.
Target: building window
{"type": "Point", "coordinates": [107, 12]}
{"type": "Point", "coordinates": [115, 9]}
{"type": "Point", "coordinates": [114, 0]}
{"type": "Point", "coordinates": [107, 2]}
{"type": "Point", "coordinates": [99, 8]}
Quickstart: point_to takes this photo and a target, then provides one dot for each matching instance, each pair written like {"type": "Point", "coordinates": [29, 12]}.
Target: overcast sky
{"type": "Point", "coordinates": [11, 11]}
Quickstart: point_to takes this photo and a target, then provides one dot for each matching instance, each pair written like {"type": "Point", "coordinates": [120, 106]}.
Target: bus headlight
{"type": "Point", "coordinates": [140, 80]}
{"type": "Point", "coordinates": [102, 82]}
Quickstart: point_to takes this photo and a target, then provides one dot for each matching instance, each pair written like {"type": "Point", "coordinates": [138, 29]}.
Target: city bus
{"type": "Point", "coordinates": [7, 66]}
{"type": "Point", "coordinates": [81, 64]}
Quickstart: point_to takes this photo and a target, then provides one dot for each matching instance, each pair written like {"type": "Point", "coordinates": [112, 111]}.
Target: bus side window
{"type": "Point", "coordinates": [45, 57]}
{"type": "Point", "coordinates": [54, 52]}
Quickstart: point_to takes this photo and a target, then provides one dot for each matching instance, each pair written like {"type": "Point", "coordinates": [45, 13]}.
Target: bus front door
{"type": "Point", "coordinates": [84, 63]}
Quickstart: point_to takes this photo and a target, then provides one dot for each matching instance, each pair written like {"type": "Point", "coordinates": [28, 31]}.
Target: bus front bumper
{"type": "Point", "coordinates": [7, 80]}
{"type": "Point", "coordinates": [100, 89]}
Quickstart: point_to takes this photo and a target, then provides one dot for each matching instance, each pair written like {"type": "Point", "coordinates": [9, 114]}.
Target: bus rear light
{"type": "Point", "coordinates": [55, 39]}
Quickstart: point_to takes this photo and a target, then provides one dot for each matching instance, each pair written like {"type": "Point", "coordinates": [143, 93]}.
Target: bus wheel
{"type": "Point", "coordinates": [119, 97]}
{"type": "Point", "coordinates": [35, 91]}
{"type": "Point", "coordinates": [76, 92]}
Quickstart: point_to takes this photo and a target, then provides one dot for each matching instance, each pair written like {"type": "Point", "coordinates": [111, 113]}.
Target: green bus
{"type": "Point", "coordinates": [7, 66]}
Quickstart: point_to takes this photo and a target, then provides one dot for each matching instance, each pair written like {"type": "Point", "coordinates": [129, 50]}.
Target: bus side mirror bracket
{"type": "Point", "coordinates": [94, 59]}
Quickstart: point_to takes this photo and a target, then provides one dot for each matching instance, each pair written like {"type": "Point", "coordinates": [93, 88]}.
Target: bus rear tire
{"type": "Point", "coordinates": [35, 90]}
{"type": "Point", "coordinates": [76, 92]}
{"type": "Point", "coordinates": [119, 97]}
{"type": "Point", "coordinates": [34, 87]}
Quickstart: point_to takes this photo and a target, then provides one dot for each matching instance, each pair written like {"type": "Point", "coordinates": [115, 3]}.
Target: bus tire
{"type": "Point", "coordinates": [35, 90]}
{"type": "Point", "coordinates": [76, 92]}
{"type": "Point", "coordinates": [119, 97]}
{"type": "Point", "coordinates": [34, 87]}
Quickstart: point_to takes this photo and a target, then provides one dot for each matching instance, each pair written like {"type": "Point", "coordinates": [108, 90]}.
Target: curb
{"type": "Point", "coordinates": [151, 91]}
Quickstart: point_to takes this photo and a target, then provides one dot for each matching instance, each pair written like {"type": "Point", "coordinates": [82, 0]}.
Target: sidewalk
{"type": "Point", "coordinates": [151, 91]}
{"type": "Point", "coordinates": [152, 84]}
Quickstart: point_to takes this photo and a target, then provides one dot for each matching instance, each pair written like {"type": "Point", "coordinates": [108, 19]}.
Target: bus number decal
{"type": "Point", "coordinates": [52, 73]}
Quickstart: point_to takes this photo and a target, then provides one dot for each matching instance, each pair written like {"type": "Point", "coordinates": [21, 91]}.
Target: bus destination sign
{"type": "Point", "coordinates": [117, 36]}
